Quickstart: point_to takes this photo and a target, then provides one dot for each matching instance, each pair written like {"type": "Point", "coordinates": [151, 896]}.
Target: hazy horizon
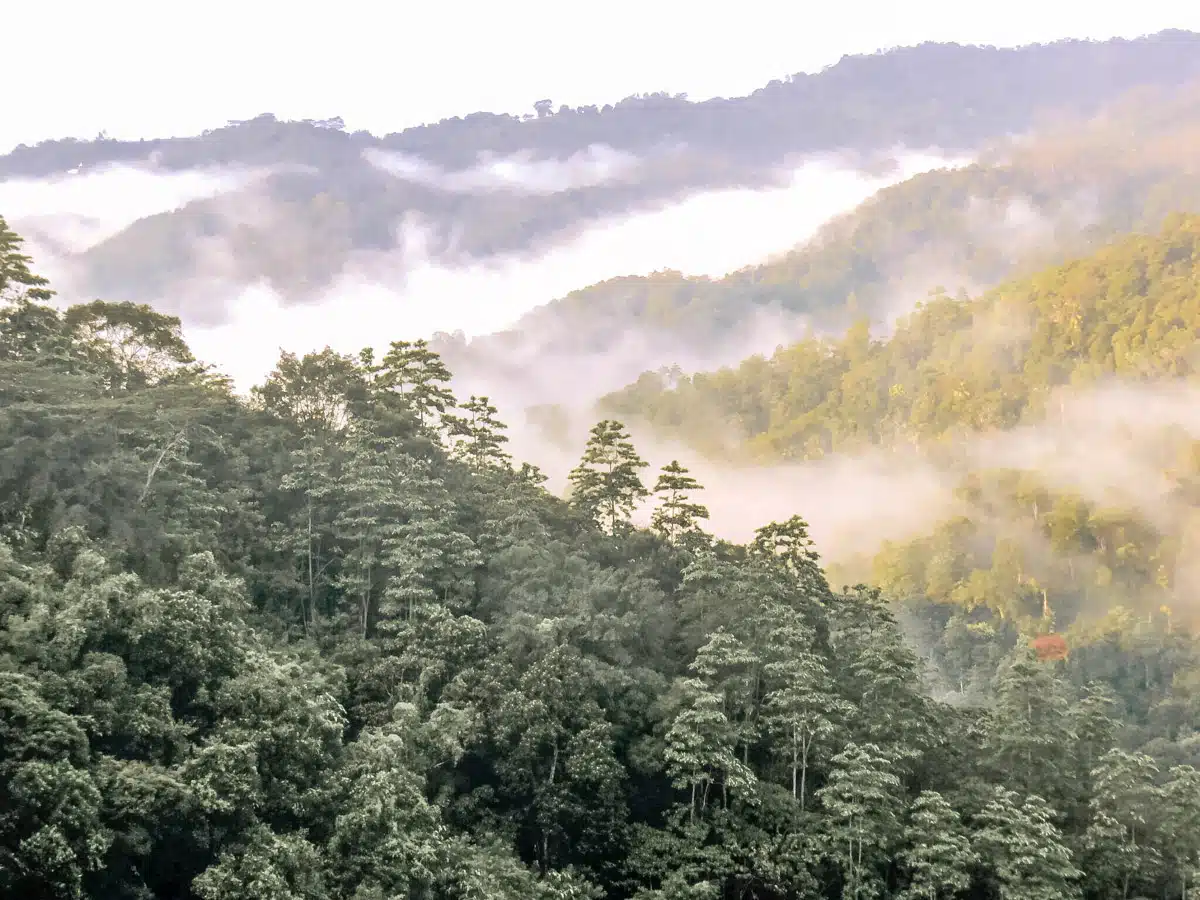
{"type": "Point", "coordinates": [156, 81]}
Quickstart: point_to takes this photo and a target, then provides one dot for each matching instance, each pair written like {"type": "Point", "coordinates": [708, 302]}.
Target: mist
{"type": "Point", "coordinates": [1110, 443]}
{"type": "Point", "coordinates": [410, 292]}
{"type": "Point", "coordinates": [70, 213]}
{"type": "Point", "coordinates": [521, 172]}
{"type": "Point", "coordinates": [711, 233]}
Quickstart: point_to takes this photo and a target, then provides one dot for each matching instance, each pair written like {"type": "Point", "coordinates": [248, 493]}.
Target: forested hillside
{"type": "Point", "coordinates": [1132, 311]}
{"type": "Point", "coordinates": [489, 186]}
{"type": "Point", "coordinates": [1062, 408]}
{"type": "Point", "coordinates": [330, 642]}
{"type": "Point", "coordinates": [1065, 191]}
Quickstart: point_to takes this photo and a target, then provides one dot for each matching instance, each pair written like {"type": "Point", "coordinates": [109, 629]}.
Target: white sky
{"type": "Point", "coordinates": [144, 68]}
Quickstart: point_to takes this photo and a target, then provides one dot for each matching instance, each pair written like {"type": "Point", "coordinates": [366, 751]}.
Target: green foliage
{"type": "Point", "coordinates": [1025, 850]}
{"type": "Point", "coordinates": [326, 642]}
{"type": "Point", "coordinates": [606, 485]}
{"type": "Point", "coordinates": [1130, 311]}
{"type": "Point", "coordinates": [676, 517]}
{"type": "Point", "coordinates": [478, 435]}
{"type": "Point", "coordinates": [17, 282]}
{"type": "Point", "coordinates": [938, 851]}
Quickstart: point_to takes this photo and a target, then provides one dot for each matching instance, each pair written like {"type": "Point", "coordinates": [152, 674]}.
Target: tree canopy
{"type": "Point", "coordinates": [329, 641]}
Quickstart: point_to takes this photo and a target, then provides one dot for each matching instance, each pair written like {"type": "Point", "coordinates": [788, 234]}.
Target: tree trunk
{"type": "Point", "coordinates": [795, 768]}
{"type": "Point", "coordinates": [312, 595]}
{"type": "Point", "coordinates": [805, 744]}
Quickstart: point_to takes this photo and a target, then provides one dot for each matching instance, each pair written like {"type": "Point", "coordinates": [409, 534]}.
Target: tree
{"type": "Point", "coordinates": [140, 345]}
{"type": "Point", "coordinates": [418, 375]}
{"type": "Point", "coordinates": [862, 800]}
{"type": "Point", "coordinates": [1031, 735]}
{"type": "Point", "coordinates": [365, 517]}
{"type": "Point", "coordinates": [677, 518]}
{"type": "Point", "coordinates": [1181, 824]}
{"type": "Point", "coordinates": [700, 748]}
{"type": "Point", "coordinates": [317, 392]}
{"type": "Point", "coordinates": [266, 866]}
{"type": "Point", "coordinates": [1025, 850]}
{"type": "Point", "coordinates": [428, 559]}
{"type": "Point", "coordinates": [479, 436]}
{"type": "Point", "coordinates": [879, 672]}
{"type": "Point", "coordinates": [308, 536]}
{"type": "Point", "coordinates": [606, 485]}
{"type": "Point", "coordinates": [733, 671]}
{"type": "Point", "coordinates": [17, 282]}
{"type": "Point", "coordinates": [802, 706]}
{"type": "Point", "coordinates": [937, 851]}
{"type": "Point", "coordinates": [1123, 805]}
{"type": "Point", "coordinates": [51, 831]}
{"type": "Point", "coordinates": [788, 544]}
{"type": "Point", "coordinates": [35, 333]}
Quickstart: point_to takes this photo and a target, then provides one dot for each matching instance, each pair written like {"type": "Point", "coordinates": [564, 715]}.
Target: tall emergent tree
{"type": "Point", "coordinates": [938, 852]}
{"type": "Point", "coordinates": [17, 282]}
{"type": "Point", "coordinates": [478, 435]}
{"type": "Point", "coordinates": [677, 518]}
{"type": "Point", "coordinates": [606, 484]}
{"type": "Point", "coordinates": [417, 373]}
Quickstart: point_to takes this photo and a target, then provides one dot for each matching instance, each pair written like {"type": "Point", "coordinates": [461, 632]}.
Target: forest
{"type": "Point", "coordinates": [1129, 311]}
{"type": "Point", "coordinates": [330, 640]}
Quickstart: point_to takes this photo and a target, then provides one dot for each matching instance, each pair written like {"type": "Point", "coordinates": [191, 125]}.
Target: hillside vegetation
{"type": "Point", "coordinates": [1062, 408]}
{"type": "Point", "coordinates": [1024, 205]}
{"type": "Point", "coordinates": [329, 642]}
{"type": "Point", "coordinates": [1132, 310]}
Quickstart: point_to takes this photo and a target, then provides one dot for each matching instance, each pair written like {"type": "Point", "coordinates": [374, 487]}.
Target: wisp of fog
{"type": "Point", "coordinates": [597, 164]}
{"type": "Point", "coordinates": [72, 212]}
{"type": "Point", "coordinates": [1109, 443]}
{"type": "Point", "coordinates": [709, 233]}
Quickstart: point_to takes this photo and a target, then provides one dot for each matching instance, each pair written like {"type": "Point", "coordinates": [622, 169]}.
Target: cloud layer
{"type": "Point", "coordinates": [708, 234]}
{"type": "Point", "coordinates": [520, 173]}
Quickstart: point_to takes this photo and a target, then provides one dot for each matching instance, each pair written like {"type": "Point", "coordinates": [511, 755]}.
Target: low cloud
{"type": "Point", "coordinates": [521, 173]}
{"type": "Point", "coordinates": [408, 294]}
{"type": "Point", "coordinates": [853, 503]}
{"type": "Point", "coordinates": [70, 213]}
{"type": "Point", "coordinates": [1113, 444]}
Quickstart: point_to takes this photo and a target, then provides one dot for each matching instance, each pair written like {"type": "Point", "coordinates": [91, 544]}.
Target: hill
{"type": "Point", "coordinates": [487, 186]}
{"type": "Point", "coordinates": [1025, 204]}
{"type": "Point", "coordinates": [1128, 311]}
{"type": "Point", "coordinates": [329, 644]}
{"type": "Point", "coordinates": [1060, 411]}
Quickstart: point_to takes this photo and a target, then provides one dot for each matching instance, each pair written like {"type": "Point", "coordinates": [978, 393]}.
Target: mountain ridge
{"type": "Point", "coordinates": [321, 205]}
{"type": "Point", "coordinates": [1156, 58]}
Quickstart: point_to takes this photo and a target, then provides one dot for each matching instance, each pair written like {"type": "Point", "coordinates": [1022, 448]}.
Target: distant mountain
{"type": "Point", "coordinates": [1024, 205]}
{"type": "Point", "coordinates": [488, 186]}
{"type": "Point", "coordinates": [945, 95]}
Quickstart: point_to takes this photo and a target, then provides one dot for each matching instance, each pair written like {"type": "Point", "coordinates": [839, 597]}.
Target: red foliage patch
{"type": "Point", "coordinates": [1050, 646]}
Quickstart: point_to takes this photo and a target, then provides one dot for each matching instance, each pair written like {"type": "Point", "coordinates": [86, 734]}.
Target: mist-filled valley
{"type": "Point", "coordinates": [781, 497]}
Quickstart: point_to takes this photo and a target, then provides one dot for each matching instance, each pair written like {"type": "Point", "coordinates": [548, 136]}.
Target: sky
{"type": "Point", "coordinates": [143, 68]}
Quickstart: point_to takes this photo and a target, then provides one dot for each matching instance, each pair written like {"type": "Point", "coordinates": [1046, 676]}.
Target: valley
{"type": "Point", "coordinates": [784, 497]}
